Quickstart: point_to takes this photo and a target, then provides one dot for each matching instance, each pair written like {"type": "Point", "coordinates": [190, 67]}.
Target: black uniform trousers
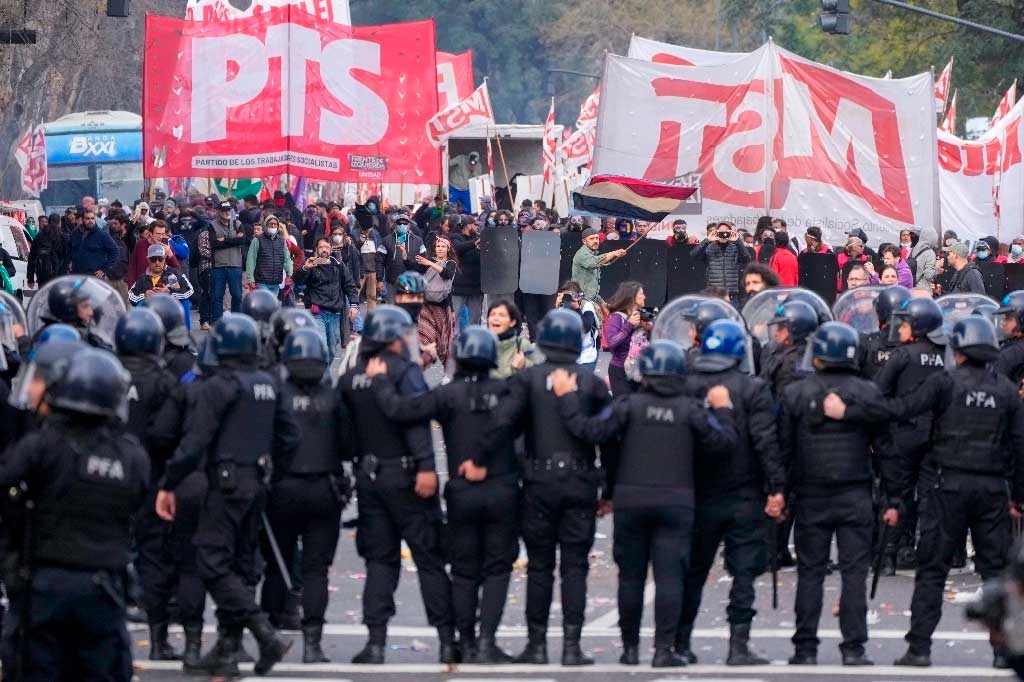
{"type": "Point", "coordinates": [155, 562]}
{"type": "Point", "coordinates": [657, 536]}
{"type": "Point", "coordinates": [302, 506]}
{"type": "Point", "coordinates": [389, 512]}
{"type": "Point", "coordinates": [558, 514]}
{"type": "Point", "coordinates": [846, 514]}
{"type": "Point", "coordinates": [737, 518]}
{"type": "Point", "coordinates": [227, 545]}
{"type": "Point", "coordinates": [77, 627]}
{"type": "Point", "coordinates": [483, 542]}
{"type": "Point", "coordinates": [191, 592]}
{"type": "Point", "coordinates": [956, 503]}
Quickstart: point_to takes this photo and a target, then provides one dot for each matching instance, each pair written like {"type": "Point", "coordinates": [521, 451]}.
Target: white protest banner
{"type": "Point", "coordinates": [474, 110]}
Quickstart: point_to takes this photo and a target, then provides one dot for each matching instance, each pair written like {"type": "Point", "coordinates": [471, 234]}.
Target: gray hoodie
{"type": "Point", "coordinates": [924, 253]}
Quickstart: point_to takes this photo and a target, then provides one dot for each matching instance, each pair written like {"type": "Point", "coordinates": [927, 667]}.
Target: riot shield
{"type": "Point", "coordinates": [685, 275]}
{"type": "Point", "coordinates": [12, 322]}
{"type": "Point", "coordinates": [616, 273]}
{"type": "Point", "coordinates": [956, 307]}
{"type": "Point", "coordinates": [819, 272]}
{"type": "Point", "coordinates": [571, 244]}
{"type": "Point", "coordinates": [856, 308]}
{"type": "Point", "coordinates": [674, 323]}
{"type": "Point", "coordinates": [499, 260]}
{"type": "Point", "coordinates": [648, 264]}
{"type": "Point", "coordinates": [994, 276]}
{"type": "Point", "coordinates": [539, 258]}
{"type": "Point", "coordinates": [107, 306]}
{"type": "Point", "coordinates": [760, 309]}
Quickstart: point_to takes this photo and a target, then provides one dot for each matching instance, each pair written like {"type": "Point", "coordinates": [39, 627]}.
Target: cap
{"type": "Point", "coordinates": [225, 205]}
{"type": "Point", "coordinates": [590, 232]}
{"type": "Point", "coordinates": [959, 248]}
{"type": "Point", "coordinates": [156, 251]}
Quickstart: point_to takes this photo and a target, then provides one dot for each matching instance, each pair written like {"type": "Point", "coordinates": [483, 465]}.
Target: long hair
{"type": "Point", "coordinates": [624, 297]}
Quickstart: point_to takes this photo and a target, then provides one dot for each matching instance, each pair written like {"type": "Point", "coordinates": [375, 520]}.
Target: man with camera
{"type": "Point", "coordinates": [570, 297]}
{"type": "Point", "coordinates": [328, 283]}
{"type": "Point", "coordinates": [725, 258]}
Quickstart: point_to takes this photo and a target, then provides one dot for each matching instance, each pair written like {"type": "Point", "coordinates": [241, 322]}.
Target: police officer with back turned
{"type": "Point", "coordinates": [876, 347]}
{"type": "Point", "coordinates": [482, 494]}
{"type": "Point", "coordinates": [974, 467]}
{"type": "Point", "coordinates": [397, 487]}
{"type": "Point", "coordinates": [241, 423]}
{"type": "Point", "coordinates": [830, 463]}
{"type": "Point", "coordinates": [560, 484]}
{"type": "Point", "coordinates": [731, 491]}
{"type": "Point", "coordinates": [178, 356]}
{"type": "Point", "coordinates": [85, 478]}
{"type": "Point", "coordinates": [663, 430]}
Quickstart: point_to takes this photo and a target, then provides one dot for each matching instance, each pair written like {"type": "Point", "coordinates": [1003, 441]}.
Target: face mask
{"type": "Point", "coordinates": [403, 229]}
{"type": "Point", "coordinates": [271, 231]}
{"type": "Point", "coordinates": [905, 244]}
{"type": "Point", "coordinates": [1017, 250]}
{"type": "Point", "coordinates": [412, 308]}
{"type": "Point", "coordinates": [983, 255]}
{"type": "Point", "coordinates": [336, 240]}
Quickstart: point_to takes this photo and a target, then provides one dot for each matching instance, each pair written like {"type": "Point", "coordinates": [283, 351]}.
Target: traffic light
{"type": "Point", "coordinates": [835, 17]}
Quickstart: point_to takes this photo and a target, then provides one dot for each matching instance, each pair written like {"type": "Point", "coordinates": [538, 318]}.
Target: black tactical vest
{"type": "Point", "coordinates": [474, 401]}
{"type": "Point", "coordinates": [377, 435]}
{"type": "Point", "coordinates": [969, 435]}
{"type": "Point", "coordinates": [658, 447]}
{"type": "Point", "coordinates": [315, 407]}
{"type": "Point", "coordinates": [247, 428]}
{"type": "Point", "coordinates": [829, 453]}
{"type": "Point", "coordinates": [547, 436]}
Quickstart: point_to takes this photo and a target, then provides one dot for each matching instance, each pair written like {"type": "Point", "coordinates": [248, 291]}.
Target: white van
{"type": "Point", "coordinates": [15, 243]}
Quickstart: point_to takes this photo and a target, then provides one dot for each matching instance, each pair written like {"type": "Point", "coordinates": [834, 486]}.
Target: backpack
{"type": "Point", "coordinates": [604, 343]}
{"type": "Point", "coordinates": [438, 288]}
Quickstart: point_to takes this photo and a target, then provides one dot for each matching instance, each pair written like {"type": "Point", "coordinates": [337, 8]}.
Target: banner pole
{"type": "Point", "coordinates": [504, 169]}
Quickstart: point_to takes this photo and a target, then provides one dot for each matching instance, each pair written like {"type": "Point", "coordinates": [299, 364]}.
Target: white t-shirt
{"type": "Point", "coordinates": [589, 352]}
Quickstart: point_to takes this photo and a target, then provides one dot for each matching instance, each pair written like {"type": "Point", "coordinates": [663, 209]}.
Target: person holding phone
{"type": "Point", "coordinates": [725, 258]}
{"type": "Point", "coordinates": [328, 283]}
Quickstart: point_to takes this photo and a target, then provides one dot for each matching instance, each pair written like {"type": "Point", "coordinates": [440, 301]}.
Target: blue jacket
{"type": "Point", "coordinates": [91, 251]}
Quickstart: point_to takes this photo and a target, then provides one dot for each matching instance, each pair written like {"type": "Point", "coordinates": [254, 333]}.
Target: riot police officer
{"type": "Point", "coordinates": [1011, 350]}
{"type": "Point", "coordinates": [54, 343]}
{"type": "Point", "coordinates": [69, 303]}
{"type": "Point", "coordinates": [662, 430]}
{"type": "Point", "coordinates": [700, 315]}
{"type": "Point", "coordinates": [155, 414]}
{"type": "Point", "coordinates": [282, 323]}
{"type": "Point", "coordinates": [876, 347]}
{"type": "Point", "coordinates": [396, 483]}
{"type": "Point", "coordinates": [560, 485]}
{"type": "Point", "coordinates": [241, 423]}
{"type": "Point", "coordinates": [311, 488]}
{"type": "Point", "coordinates": [482, 495]}
{"type": "Point", "coordinates": [178, 345]}
{"type": "Point", "coordinates": [260, 305]}
{"type": "Point", "coordinates": [831, 473]}
{"type": "Point", "coordinates": [909, 366]}
{"type": "Point", "coordinates": [974, 465]}
{"type": "Point", "coordinates": [731, 491]}
{"type": "Point", "coordinates": [85, 478]}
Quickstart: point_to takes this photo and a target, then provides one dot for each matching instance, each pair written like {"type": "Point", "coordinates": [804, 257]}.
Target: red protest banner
{"type": "Point", "coordinates": [281, 92]}
{"type": "Point", "coordinates": [454, 78]}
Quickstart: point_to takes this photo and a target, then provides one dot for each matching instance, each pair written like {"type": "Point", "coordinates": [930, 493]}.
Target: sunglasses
{"type": "Point", "coordinates": [154, 259]}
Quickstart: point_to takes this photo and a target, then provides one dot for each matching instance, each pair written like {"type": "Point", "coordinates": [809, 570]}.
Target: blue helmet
{"type": "Point", "coordinates": [890, 299]}
{"type": "Point", "coordinates": [172, 315]}
{"type": "Point", "coordinates": [703, 313]}
{"type": "Point", "coordinates": [304, 344]}
{"type": "Point", "coordinates": [288, 319]}
{"type": "Point", "coordinates": [385, 324]}
{"type": "Point", "coordinates": [90, 382]}
{"type": "Point", "coordinates": [139, 332]}
{"type": "Point", "coordinates": [835, 345]}
{"type": "Point", "coordinates": [477, 347]}
{"type": "Point", "coordinates": [662, 358]}
{"type": "Point", "coordinates": [260, 305]}
{"type": "Point", "coordinates": [410, 282]}
{"type": "Point", "coordinates": [235, 335]}
{"type": "Point", "coordinates": [1013, 304]}
{"type": "Point", "coordinates": [724, 345]}
{"type": "Point", "coordinates": [799, 317]}
{"type": "Point", "coordinates": [561, 329]}
{"type": "Point", "coordinates": [973, 336]}
{"type": "Point", "coordinates": [59, 331]}
{"type": "Point", "coordinates": [922, 314]}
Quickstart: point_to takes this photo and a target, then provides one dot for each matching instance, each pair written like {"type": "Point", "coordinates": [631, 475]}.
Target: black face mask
{"type": "Point", "coordinates": [412, 308]}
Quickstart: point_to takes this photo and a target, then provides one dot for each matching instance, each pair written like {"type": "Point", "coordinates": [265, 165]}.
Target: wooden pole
{"type": "Point", "coordinates": [504, 169]}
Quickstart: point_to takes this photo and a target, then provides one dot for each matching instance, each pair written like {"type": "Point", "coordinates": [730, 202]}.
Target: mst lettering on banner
{"type": "Point", "coordinates": [474, 110]}
{"type": "Point", "coordinates": [316, 98]}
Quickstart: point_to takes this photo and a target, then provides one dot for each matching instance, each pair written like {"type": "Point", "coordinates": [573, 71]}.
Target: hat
{"type": "Point", "coordinates": [590, 232]}
{"type": "Point", "coordinates": [959, 248]}
{"type": "Point", "coordinates": [858, 233]}
{"type": "Point", "coordinates": [525, 217]}
{"type": "Point", "coordinates": [156, 251]}
{"type": "Point", "coordinates": [225, 206]}
{"type": "Point", "coordinates": [813, 231]}
{"type": "Point", "coordinates": [270, 217]}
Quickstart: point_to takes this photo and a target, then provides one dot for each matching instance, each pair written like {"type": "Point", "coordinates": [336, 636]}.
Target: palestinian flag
{"type": "Point", "coordinates": [619, 197]}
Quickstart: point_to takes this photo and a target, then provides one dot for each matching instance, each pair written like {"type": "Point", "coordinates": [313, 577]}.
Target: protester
{"type": "Point", "coordinates": [466, 288]}
{"type": "Point", "coordinates": [117, 227]}
{"type": "Point", "coordinates": [330, 288]}
{"type": "Point", "coordinates": [268, 261]}
{"type": "Point", "coordinates": [570, 296]}
{"type": "Point", "coordinates": [679, 235]}
{"type": "Point", "coordinates": [93, 252]}
{"type": "Point", "coordinates": [757, 278]}
{"type": "Point", "coordinates": [157, 233]}
{"type": "Point", "coordinates": [922, 258]}
{"type": "Point", "coordinates": [436, 324]}
{"type": "Point", "coordinates": [891, 258]}
{"type": "Point", "coordinates": [858, 275]}
{"type": "Point", "coordinates": [159, 279]}
{"type": "Point", "coordinates": [813, 241]}
{"type": "Point", "coordinates": [852, 254]}
{"type": "Point", "coordinates": [783, 262]}
{"type": "Point", "coordinates": [889, 276]}
{"type": "Point", "coordinates": [1016, 252]}
{"type": "Point", "coordinates": [587, 264]}
{"type": "Point", "coordinates": [401, 246]}
{"type": "Point", "coordinates": [624, 306]}
{"type": "Point", "coordinates": [368, 242]}
{"type": "Point", "coordinates": [987, 251]}
{"type": "Point", "coordinates": [966, 278]}
{"type": "Point", "coordinates": [515, 351]}
{"type": "Point", "coordinates": [725, 259]}
{"type": "Point", "coordinates": [227, 239]}
{"type": "Point", "coordinates": [48, 255]}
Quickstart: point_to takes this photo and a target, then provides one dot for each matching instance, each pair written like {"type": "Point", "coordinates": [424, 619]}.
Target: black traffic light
{"type": "Point", "coordinates": [117, 8]}
{"type": "Point", "coordinates": [835, 17]}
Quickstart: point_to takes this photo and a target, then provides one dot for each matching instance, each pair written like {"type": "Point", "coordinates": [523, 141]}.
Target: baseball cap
{"type": "Point", "coordinates": [590, 232]}
{"type": "Point", "coordinates": [155, 251]}
{"type": "Point", "coordinates": [959, 248]}
{"type": "Point", "coordinates": [225, 205]}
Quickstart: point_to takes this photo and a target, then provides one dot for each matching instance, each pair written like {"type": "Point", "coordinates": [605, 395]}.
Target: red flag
{"type": "Point", "coordinates": [473, 110]}
{"type": "Point", "coordinates": [31, 157]}
{"type": "Point", "coordinates": [490, 163]}
{"type": "Point", "coordinates": [949, 122]}
{"type": "Point", "coordinates": [942, 87]}
{"type": "Point", "coordinates": [1005, 104]}
{"type": "Point", "coordinates": [550, 144]}
{"type": "Point", "coordinates": [454, 78]}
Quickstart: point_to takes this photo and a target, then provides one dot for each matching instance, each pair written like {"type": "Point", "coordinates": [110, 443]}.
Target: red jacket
{"type": "Point", "coordinates": [139, 263]}
{"type": "Point", "coordinates": [784, 264]}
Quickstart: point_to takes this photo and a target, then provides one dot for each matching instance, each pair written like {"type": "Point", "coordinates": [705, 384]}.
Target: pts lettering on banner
{"type": "Point", "coordinates": [238, 68]}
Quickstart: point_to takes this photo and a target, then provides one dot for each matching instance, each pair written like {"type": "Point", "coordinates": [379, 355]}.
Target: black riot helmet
{"type": "Point", "coordinates": [975, 337]}
{"type": "Point", "coordinates": [561, 330]}
{"type": "Point", "coordinates": [384, 324]}
{"type": "Point", "coordinates": [835, 345]}
{"type": "Point", "coordinates": [704, 313]}
{"type": "Point", "coordinates": [64, 298]}
{"type": "Point", "coordinates": [890, 299]}
{"type": "Point", "coordinates": [922, 314]}
{"type": "Point", "coordinates": [235, 336]}
{"type": "Point", "coordinates": [799, 317]}
{"type": "Point", "coordinates": [477, 348]}
{"type": "Point", "coordinates": [1013, 305]}
{"type": "Point", "coordinates": [305, 354]}
{"type": "Point", "coordinates": [288, 319]}
{"type": "Point", "coordinates": [260, 305]}
{"type": "Point", "coordinates": [139, 332]}
{"type": "Point", "coordinates": [663, 358]}
{"type": "Point", "coordinates": [170, 312]}
{"type": "Point", "coordinates": [90, 382]}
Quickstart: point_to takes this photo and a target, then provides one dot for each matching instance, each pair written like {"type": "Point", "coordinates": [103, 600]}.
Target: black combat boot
{"type": "Point", "coordinates": [682, 645]}
{"type": "Point", "coordinates": [373, 652]}
{"type": "Point", "coordinates": [572, 654]}
{"type": "Point", "coordinates": [739, 646]}
{"type": "Point", "coordinates": [311, 650]}
{"type": "Point", "coordinates": [536, 651]}
{"type": "Point", "coordinates": [193, 650]}
{"type": "Point", "coordinates": [220, 661]}
{"type": "Point", "coordinates": [448, 652]}
{"type": "Point", "coordinates": [665, 657]}
{"type": "Point", "coordinates": [630, 654]}
{"type": "Point", "coordinates": [489, 653]}
{"type": "Point", "coordinates": [159, 648]}
{"type": "Point", "coordinates": [272, 647]}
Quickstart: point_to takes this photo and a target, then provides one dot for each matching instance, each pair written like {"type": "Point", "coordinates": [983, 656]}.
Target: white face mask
{"type": "Point", "coordinates": [336, 239]}
{"type": "Point", "coordinates": [271, 231]}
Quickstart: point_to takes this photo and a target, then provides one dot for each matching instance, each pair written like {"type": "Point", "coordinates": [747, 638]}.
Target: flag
{"type": "Point", "coordinates": [550, 149]}
{"type": "Point", "coordinates": [949, 122]}
{"type": "Point", "coordinates": [490, 163]}
{"type": "Point", "coordinates": [299, 193]}
{"type": "Point", "coordinates": [578, 148]}
{"type": "Point", "coordinates": [31, 157]}
{"type": "Point", "coordinates": [1005, 104]}
{"type": "Point", "coordinates": [473, 110]}
{"type": "Point", "coordinates": [614, 195]}
{"type": "Point", "coordinates": [334, 11]}
{"type": "Point", "coordinates": [942, 87]}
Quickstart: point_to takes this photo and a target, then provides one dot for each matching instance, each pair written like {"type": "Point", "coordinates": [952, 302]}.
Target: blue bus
{"type": "Point", "coordinates": [94, 153]}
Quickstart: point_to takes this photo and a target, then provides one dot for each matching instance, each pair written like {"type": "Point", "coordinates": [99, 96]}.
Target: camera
{"type": "Point", "coordinates": [723, 234]}
{"type": "Point", "coordinates": [568, 298]}
{"type": "Point", "coordinates": [648, 313]}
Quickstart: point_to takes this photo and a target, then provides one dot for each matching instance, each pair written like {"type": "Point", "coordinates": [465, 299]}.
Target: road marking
{"type": "Point", "coordinates": [879, 672]}
{"type": "Point", "coordinates": [611, 619]}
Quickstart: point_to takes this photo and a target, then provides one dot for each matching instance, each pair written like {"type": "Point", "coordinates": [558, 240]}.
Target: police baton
{"type": "Point", "coordinates": [876, 568]}
{"type": "Point", "coordinates": [285, 575]}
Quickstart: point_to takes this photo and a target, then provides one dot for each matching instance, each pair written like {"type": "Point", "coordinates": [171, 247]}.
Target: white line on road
{"type": "Point", "coordinates": [611, 619]}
